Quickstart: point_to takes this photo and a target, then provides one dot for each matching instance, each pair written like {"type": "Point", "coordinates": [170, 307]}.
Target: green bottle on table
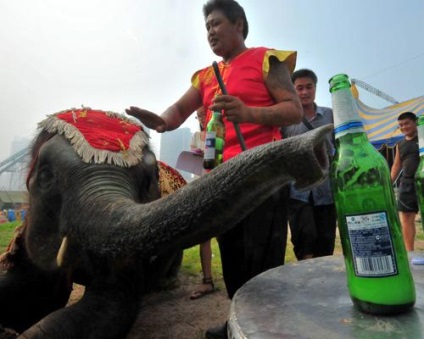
{"type": "Point", "coordinates": [419, 174]}
{"type": "Point", "coordinates": [379, 278]}
{"type": "Point", "coordinates": [214, 141]}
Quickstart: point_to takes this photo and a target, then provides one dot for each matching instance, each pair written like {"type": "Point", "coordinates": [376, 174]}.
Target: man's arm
{"type": "Point", "coordinates": [176, 114]}
{"type": "Point", "coordinates": [397, 166]}
{"type": "Point", "coordinates": [173, 117]}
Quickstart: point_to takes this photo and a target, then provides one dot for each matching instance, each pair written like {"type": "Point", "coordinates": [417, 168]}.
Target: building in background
{"type": "Point", "coordinates": [13, 169]}
{"type": "Point", "coordinates": [15, 200]}
{"type": "Point", "coordinates": [172, 144]}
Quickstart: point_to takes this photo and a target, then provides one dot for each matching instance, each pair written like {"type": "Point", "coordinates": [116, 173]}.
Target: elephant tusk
{"type": "Point", "coordinates": [61, 252]}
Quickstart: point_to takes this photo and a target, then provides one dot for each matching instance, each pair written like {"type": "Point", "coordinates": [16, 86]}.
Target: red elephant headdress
{"type": "Point", "coordinates": [99, 136]}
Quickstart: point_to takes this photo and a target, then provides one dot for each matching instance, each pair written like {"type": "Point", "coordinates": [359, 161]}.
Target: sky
{"type": "Point", "coordinates": [112, 54]}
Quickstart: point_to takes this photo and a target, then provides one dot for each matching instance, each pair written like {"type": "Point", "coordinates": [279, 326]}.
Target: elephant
{"type": "Point", "coordinates": [96, 218]}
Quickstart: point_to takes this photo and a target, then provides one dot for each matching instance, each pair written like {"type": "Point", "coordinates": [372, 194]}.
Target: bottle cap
{"type": "Point", "coordinates": [339, 81]}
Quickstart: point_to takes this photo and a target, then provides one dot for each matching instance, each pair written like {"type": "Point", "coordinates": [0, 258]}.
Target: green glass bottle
{"type": "Point", "coordinates": [419, 174]}
{"type": "Point", "coordinates": [214, 141]}
{"type": "Point", "coordinates": [379, 278]}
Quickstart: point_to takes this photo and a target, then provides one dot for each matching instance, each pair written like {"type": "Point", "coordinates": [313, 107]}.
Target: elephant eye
{"type": "Point", "coordinates": [45, 178]}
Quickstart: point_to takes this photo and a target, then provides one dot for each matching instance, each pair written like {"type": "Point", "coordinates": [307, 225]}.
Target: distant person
{"type": "Point", "coordinates": [23, 212]}
{"type": "Point", "coordinates": [207, 287]}
{"type": "Point", "coordinates": [3, 218]}
{"type": "Point", "coordinates": [312, 213]}
{"type": "Point", "coordinates": [406, 162]}
{"type": "Point", "coordinates": [11, 216]}
{"type": "Point", "coordinates": [197, 143]}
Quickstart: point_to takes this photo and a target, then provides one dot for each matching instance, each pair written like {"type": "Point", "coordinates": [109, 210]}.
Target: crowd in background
{"type": "Point", "coordinates": [11, 215]}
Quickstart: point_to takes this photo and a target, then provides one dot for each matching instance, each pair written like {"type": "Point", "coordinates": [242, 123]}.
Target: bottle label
{"type": "Point", "coordinates": [346, 118]}
{"type": "Point", "coordinates": [421, 139]}
{"type": "Point", "coordinates": [371, 243]}
{"type": "Point", "coordinates": [210, 141]}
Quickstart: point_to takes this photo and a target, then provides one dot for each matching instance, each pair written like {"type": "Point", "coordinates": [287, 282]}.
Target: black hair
{"type": "Point", "coordinates": [231, 9]}
{"type": "Point", "coordinates": [407, 115]}
{"type": "Point", "coordinates": [305, 73]}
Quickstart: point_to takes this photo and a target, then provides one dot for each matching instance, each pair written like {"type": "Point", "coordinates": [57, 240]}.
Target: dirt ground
{"type": "Point", "coordinates": [172, 315]}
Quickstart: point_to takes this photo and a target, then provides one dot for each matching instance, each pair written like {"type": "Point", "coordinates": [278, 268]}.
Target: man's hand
{"type": "Point", "coordinates": [147, 118]}
{"type": "Point", "coordinates": [234, 109]}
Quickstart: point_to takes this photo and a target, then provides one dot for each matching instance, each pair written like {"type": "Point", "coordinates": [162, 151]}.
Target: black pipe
{"type": "Point", "coordinates": [224, 91]}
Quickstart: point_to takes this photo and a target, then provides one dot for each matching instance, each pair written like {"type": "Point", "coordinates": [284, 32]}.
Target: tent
{"type": "Point", "coordinates": [381, 124]}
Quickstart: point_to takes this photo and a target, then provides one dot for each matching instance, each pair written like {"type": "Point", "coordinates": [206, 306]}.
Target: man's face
{"type": "Point", "coordinates": [408, 127]}
{"type": "Point", "coordinates": [305, 89]}
{"type": "Point", "coordinates": [222, 34]}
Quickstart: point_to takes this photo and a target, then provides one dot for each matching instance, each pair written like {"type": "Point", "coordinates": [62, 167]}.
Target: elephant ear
{"type": "Point", "coordinates": [99, 136]}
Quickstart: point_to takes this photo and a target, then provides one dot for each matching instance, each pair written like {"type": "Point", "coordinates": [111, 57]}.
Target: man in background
{"type": "Point", "coordinates": [407, 160]}
{"type": "Point", "coordinates": [312, 213]}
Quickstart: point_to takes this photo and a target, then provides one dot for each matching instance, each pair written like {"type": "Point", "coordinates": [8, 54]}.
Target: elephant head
{"type": "Point", "coordinates": [97, 214]}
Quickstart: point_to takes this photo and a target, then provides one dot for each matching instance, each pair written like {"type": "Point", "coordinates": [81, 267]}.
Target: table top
{"type": "Point", "coordinates": [310, 299]}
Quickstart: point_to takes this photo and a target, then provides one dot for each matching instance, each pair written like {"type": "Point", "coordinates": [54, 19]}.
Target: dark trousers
{"type": "Point", "coordinates": [256, 244]}
{"type": "Point", "coordinates": [313, 228]}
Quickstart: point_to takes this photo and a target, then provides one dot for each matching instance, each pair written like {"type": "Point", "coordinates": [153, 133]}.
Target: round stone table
{"type": "Point", "coordinates": [310, 299]}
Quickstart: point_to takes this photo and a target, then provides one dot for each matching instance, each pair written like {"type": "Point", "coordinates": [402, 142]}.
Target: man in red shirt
{"type": "Point", "coordinates": [261, 99]}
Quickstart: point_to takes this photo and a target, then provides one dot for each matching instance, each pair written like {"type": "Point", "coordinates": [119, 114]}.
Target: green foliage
{"type": "Point", "coordinates": [192, 266]}
{"type": "Point", "coordinates": [419, 235]}
{"type": "Point", "coordinates": [7, 231]}
{"type": "Point", "coordinates": [420, 231]}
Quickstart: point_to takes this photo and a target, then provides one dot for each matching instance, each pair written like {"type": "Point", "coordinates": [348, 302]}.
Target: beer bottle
{"type": "Point", "coordinates": [214, 141]}
{"type": "Point", "coordinates": [377, 266]}
{"type": "Point", "coordinates": [419, 174]}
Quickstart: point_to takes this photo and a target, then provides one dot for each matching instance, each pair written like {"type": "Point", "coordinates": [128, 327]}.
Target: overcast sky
{"type": "Point", "coordinates": [110, 54]}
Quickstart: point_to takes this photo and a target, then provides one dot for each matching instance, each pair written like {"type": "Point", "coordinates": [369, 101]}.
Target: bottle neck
{"type": "Point", "coordinates": [346, 118]}
{"type": "Point", "coordinates": [353, 138]}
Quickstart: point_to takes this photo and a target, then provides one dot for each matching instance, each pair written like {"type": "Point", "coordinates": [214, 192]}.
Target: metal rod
{"type": "Point", "coordinates": [224, 91]}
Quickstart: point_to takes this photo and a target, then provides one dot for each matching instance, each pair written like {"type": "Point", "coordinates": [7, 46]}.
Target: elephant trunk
{"type": "Point", "coordinates": [213, 203]}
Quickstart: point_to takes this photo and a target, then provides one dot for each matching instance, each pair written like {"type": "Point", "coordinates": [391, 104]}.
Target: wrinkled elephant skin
{"type": "Point", "coordinates": [111, 229]}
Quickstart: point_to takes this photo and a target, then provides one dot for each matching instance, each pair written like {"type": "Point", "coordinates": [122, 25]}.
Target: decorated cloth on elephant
{"type": "Point", "coordinates": [11, 255]}
{"type": "Point", "coordinates": [170, 179]}
{"type": "Point", "coordinates": [99, 136]}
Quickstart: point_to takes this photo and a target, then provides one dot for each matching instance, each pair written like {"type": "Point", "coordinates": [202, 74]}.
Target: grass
{"type": "Point", "coordinates": [7, 231]}
{"type": "Point", "coordinates": [191, 261]}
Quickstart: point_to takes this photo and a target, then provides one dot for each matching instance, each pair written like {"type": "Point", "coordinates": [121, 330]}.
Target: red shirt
{"type": "Point", "coordinates": [244, 77]}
